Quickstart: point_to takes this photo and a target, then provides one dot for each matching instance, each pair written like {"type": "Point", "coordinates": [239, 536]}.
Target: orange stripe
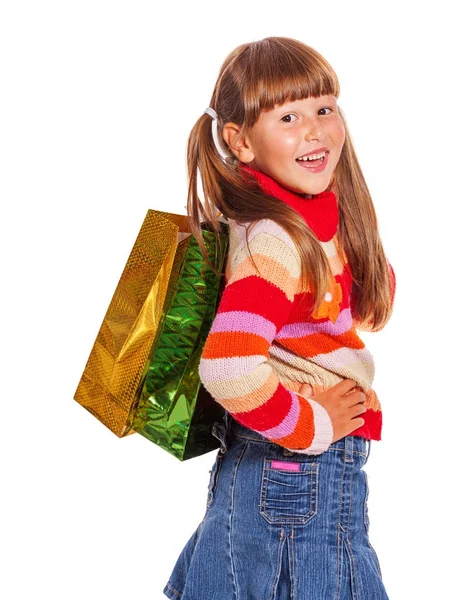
{"type": "Point", "coordinates": [305, 425]}
{"type": "Point", "coordinates": [225, 344]}
{"type": "Point", "coordinates": [321, 343]}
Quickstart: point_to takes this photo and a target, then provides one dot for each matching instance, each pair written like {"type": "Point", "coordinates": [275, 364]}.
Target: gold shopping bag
{"type": "Point", "coordinates": [112, 380]}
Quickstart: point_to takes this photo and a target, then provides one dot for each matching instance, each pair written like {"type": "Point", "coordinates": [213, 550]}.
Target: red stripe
{"type": "Point", "coordinates": [270, 414]}
{"type": "Point", "coordinates": [256, 295]}
{"type": "Point", "coordinates": [372, 428]}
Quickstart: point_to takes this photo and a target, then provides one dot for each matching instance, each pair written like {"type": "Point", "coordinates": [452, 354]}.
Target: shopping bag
{"type": "Point", "coordinates": [112, 381]}
{"type": "Point", "coordinates": [174, 410]}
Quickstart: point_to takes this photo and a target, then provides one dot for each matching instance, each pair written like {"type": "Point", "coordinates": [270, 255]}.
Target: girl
{"type": "Point", "coordinates": [286, 513]}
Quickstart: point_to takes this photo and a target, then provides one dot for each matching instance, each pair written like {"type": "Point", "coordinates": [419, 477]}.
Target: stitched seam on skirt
{"type": "Point", "coordinates": [278, 562]}
{"type": "Point", "coordinates": [353, 572]}
{"type": "Point", "coordinates": [178, 594]}
{"type": "Point", "coordinates": [339, 535]}
{"type": "Point", "coordinates": [243, 437]}
{"type": "Point", "coordinates": [366, 523]}
{"type": "Point", "coordinates": [230, 527]}
{"type": "Point", "coordinates": [293, 580]}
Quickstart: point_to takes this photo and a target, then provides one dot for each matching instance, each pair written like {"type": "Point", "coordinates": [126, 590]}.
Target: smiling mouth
{"type": "Point", "coordinates": [314, 165]}
{"type": "Point", "coordinates": [306, 159]}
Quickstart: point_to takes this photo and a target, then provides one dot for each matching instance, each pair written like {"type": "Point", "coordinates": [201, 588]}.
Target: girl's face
{"type": "Point", "coordinates": [295, 129]}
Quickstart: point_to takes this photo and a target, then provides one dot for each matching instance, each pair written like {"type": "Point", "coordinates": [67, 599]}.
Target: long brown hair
{"type": "Point", "coordinates": [259, 76]}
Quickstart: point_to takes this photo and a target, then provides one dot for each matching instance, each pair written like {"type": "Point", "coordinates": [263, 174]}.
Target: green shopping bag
{"type": "Point", "coordinates": [174, 410]}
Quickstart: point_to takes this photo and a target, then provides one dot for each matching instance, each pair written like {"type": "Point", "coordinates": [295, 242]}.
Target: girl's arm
{"type": "Point", "coordinates": [235, 367]}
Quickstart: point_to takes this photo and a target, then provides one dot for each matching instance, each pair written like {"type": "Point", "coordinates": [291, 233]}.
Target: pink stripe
{"type": "Point", "coordinates": [241, 320]}
{"type": "Point", "coordinates": [288, 424]}
{"type": "Point", "coordinates": [298, 330]}
{"type": "Point", "coordinates": [285, 466]}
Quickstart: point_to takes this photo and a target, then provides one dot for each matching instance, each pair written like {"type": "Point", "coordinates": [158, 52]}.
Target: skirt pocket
{"type": "Point", "coordinates": [289, 491]}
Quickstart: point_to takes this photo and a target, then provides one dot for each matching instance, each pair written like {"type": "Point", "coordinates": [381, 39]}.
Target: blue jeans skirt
{"type": "Point", "coordinates": [280, 525]}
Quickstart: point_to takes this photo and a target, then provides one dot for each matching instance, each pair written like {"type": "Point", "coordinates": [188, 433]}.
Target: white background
{"type": "Point", "coordinates": [97, 99]}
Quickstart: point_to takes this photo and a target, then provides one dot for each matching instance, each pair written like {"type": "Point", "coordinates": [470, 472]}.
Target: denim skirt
{"type": "Point", "coordinates": [280, 525]}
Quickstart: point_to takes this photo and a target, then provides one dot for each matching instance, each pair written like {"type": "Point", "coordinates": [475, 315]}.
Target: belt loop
{"type": "Point", "coordinates": [220, 430]}
{"type": "Point", "coordinates": [349, 448]}
{"type": "Point", "coordinates": [227, 420]}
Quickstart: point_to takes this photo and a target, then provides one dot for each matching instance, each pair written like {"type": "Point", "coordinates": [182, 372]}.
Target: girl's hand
{"type": "Point", "coordinates": [342, 405]}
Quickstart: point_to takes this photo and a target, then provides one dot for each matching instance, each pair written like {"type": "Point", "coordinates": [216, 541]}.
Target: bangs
{"type": "Point", "coordinates": [280, 70]}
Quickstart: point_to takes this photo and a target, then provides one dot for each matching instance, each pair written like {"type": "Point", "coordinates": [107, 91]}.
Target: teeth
{"type": "Point", "coordinates": [313, 156]}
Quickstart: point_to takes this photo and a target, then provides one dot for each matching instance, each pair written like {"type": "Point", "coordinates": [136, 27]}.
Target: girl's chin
{"type": "Point", "coordinates": [308, 193]}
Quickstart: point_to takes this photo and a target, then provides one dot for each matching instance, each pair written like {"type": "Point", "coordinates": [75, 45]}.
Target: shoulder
{"type": "Point", "coordinates": [263, 232]}
{"type": "Point", "coordinates": [269, 247]}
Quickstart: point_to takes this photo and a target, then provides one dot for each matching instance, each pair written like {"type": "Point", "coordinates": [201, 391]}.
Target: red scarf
{"type": "Point", "coordinates": [320, 212]}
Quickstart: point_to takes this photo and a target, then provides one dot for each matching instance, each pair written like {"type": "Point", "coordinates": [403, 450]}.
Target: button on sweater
{"type": "Point", "coordinates": [263, 344]}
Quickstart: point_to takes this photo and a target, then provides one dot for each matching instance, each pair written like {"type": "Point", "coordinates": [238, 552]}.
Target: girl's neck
{"type": "Point", "coordinates": [319, 211]}
{"type": "Point", "coordinates": [269, 182]}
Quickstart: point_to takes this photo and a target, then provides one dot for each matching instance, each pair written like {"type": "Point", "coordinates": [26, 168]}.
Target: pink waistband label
{"type": "Point", "coordinates": [285, 466]}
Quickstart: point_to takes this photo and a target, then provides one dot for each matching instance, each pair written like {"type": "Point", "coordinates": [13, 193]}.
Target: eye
{"type": "Point", "coordinates": [326, 108]}
{"type": "Point", "coordinates": [286, 117]}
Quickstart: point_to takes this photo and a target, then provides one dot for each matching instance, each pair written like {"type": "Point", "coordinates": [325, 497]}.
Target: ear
{"type": "Point", "coordinates": [238, 143]}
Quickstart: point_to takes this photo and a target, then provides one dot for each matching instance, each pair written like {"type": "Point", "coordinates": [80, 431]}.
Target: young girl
{"type": "Point", "coordinates": [286, 513]}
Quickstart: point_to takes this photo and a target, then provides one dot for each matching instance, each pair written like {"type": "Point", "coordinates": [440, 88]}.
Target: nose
{"type": "Point", "coordinates": [315, 129]}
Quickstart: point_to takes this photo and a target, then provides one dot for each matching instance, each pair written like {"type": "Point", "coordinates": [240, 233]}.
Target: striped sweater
{"type": "Point", "coordinates": [262, 345]}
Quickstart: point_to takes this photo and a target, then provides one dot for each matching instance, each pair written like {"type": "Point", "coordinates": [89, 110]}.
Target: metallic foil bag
{"type": "Point", "coordinates": [174, 410]}
{"type": "Point", "coordinates": [131, 334]}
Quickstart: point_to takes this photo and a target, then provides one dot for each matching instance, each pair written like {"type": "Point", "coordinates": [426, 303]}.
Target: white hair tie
{"type": "Point", "coordinates": [218, 145]}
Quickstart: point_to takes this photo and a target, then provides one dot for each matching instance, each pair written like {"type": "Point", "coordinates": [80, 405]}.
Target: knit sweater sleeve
{"type": "Point", "coordinates": [234, 365]}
